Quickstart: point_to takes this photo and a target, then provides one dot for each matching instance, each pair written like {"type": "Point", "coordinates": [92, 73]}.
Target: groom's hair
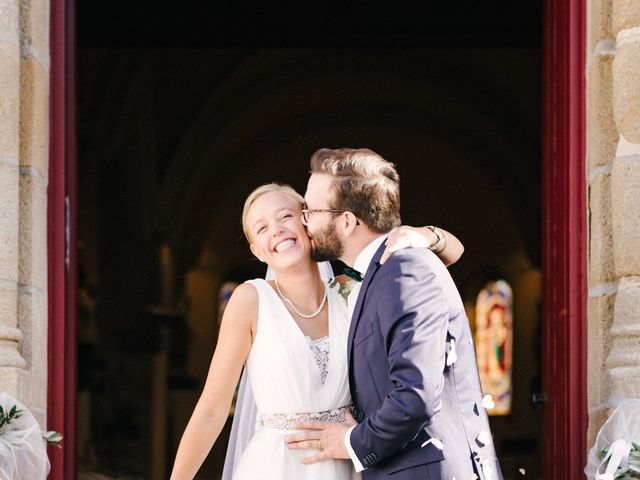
{"type": "Point", "coordinates": [365, 184]}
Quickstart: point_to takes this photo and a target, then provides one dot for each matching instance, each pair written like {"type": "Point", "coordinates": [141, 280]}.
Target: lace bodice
{"type": "Point", "coordinates": [320, 349]}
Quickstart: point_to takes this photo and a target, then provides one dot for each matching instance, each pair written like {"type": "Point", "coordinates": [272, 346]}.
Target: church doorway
{"type": "Point", "coordinates": [173, 134]}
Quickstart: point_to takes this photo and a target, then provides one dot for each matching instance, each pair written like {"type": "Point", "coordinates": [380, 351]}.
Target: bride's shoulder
{"type": "Point", "coordinates": [246, 292]}
{"type": "Point", "coordinates": [244, 300]}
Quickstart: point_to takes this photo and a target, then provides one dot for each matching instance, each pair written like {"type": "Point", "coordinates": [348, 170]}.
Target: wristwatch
{"type": "Point", "coordinates": [441, 244]}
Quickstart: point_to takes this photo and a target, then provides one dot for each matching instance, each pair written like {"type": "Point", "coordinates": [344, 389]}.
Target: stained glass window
{"type": "Point", "coordinates": [494, 344]}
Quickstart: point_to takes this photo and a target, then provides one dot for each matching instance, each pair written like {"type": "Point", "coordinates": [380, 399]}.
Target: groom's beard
{"type": "Point", "coordinates": [326, 246]}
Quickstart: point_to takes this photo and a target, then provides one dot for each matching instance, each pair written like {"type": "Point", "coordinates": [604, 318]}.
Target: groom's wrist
{"type": "Point", "coordinates": [441, 239]}
{"type": "Point", "coordinates": [352, 454]}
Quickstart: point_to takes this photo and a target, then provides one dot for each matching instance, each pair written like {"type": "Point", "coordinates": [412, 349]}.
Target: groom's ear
{"type": "Point", "coordinates": [350, 222]}
{"type": "Point", "coordinates": [252, 247]}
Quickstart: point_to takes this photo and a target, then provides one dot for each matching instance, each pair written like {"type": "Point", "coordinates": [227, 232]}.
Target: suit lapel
{"type": "Point", "coordinates": [374, 265]}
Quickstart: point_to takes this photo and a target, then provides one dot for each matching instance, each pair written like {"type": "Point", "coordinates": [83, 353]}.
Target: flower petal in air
{"type": "Point", "coordinates": [487, 402]}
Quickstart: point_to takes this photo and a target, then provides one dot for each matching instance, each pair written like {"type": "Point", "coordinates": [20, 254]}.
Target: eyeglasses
{"type": "Point", "coordinates": [306, 212]}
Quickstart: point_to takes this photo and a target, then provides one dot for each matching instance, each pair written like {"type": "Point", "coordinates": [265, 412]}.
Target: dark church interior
{"type": "Point", "coordinates": [183, 109]}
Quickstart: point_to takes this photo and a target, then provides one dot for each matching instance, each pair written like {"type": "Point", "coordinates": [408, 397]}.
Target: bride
{"type": "Point", "coordinates": [290, 332]}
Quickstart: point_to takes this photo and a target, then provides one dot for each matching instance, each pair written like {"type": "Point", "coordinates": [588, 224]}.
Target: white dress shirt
{"type": "Point", "coordinates": [361, 264]}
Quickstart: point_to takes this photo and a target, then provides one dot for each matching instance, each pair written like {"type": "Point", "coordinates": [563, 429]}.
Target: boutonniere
{"type": "Point", "coordinates": [345, 285]}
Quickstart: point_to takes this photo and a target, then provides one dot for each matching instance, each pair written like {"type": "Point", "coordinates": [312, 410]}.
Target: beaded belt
{"type": "Point", "coordinates": [286, 421]}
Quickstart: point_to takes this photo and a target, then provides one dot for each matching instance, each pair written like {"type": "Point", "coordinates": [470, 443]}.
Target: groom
{"type": "Point", "coordinates": [412, 367]}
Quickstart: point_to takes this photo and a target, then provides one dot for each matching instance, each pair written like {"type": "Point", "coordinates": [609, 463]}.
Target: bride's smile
{"type": "Point", "coordinates": [284, 245]}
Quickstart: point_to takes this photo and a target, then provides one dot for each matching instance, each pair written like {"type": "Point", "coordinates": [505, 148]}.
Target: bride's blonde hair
{"type": "Point", "coordinates": [261, 190]}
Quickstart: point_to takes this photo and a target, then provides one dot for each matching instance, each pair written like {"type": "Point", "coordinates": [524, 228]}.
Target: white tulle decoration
{"type": "Point", "coordinates": [620, 435]}
{"type": "Point", "coordinates": [23, 451]}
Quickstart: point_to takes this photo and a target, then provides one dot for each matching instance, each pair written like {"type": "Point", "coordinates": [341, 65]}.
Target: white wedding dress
{"type": "Point", "coordinates": [294, 378]}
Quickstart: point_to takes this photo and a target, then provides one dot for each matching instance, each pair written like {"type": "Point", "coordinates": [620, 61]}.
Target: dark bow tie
{"type": "Point", "coordinates": [352, 273]}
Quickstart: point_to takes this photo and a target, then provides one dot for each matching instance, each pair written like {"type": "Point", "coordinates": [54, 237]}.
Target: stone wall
{"type": "Point", "coordinates": [613, 168]}
{"type": "Point", "coordinates": [24, 108]}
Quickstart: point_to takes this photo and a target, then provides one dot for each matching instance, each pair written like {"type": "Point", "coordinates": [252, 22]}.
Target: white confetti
{"type": "Point", "coordinates": [487, 470]}
{"type": "Point", "coordinates": [487, 402]}
{"type": "Point", "coordinates": [452, 356]}
{"type": "Point", "coordinates": [484, 438]}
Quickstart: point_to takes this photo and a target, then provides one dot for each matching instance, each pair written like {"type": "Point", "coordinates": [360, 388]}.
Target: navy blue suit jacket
{"type": "Point", "coordinates": [413, 375]}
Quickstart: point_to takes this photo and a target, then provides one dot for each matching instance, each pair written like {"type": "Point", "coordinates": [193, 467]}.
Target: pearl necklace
{"type": "Point", "coordinates": [295, 309]}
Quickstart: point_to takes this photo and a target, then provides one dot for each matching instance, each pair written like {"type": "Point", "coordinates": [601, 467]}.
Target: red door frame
{"type": "Point", "coordinates": [564, 193]}
{"type": "Point", "coordinates": [61, 238]}
{"type": "Point", "coordinates": [564, 239]}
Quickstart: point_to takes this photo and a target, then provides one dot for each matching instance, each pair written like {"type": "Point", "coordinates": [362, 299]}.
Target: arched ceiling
{"type": "Point", "coordinates": [461, 125]}
{"type": "Point", "coordinates": [446, 116]}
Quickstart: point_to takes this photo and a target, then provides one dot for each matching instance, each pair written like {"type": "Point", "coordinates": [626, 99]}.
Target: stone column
{"type": "Point", "coordinates": [24, 96]}
{"type": "Point", "coordinates": [623, 361]}
{"type": "Point", "coordinates": [11, 360]}
{"type": "Point", "coordinates": [602, 136]}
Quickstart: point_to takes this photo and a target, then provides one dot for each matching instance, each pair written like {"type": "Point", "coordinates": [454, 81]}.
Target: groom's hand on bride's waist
{"type": "Point", "coordinates": [328, 437]}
